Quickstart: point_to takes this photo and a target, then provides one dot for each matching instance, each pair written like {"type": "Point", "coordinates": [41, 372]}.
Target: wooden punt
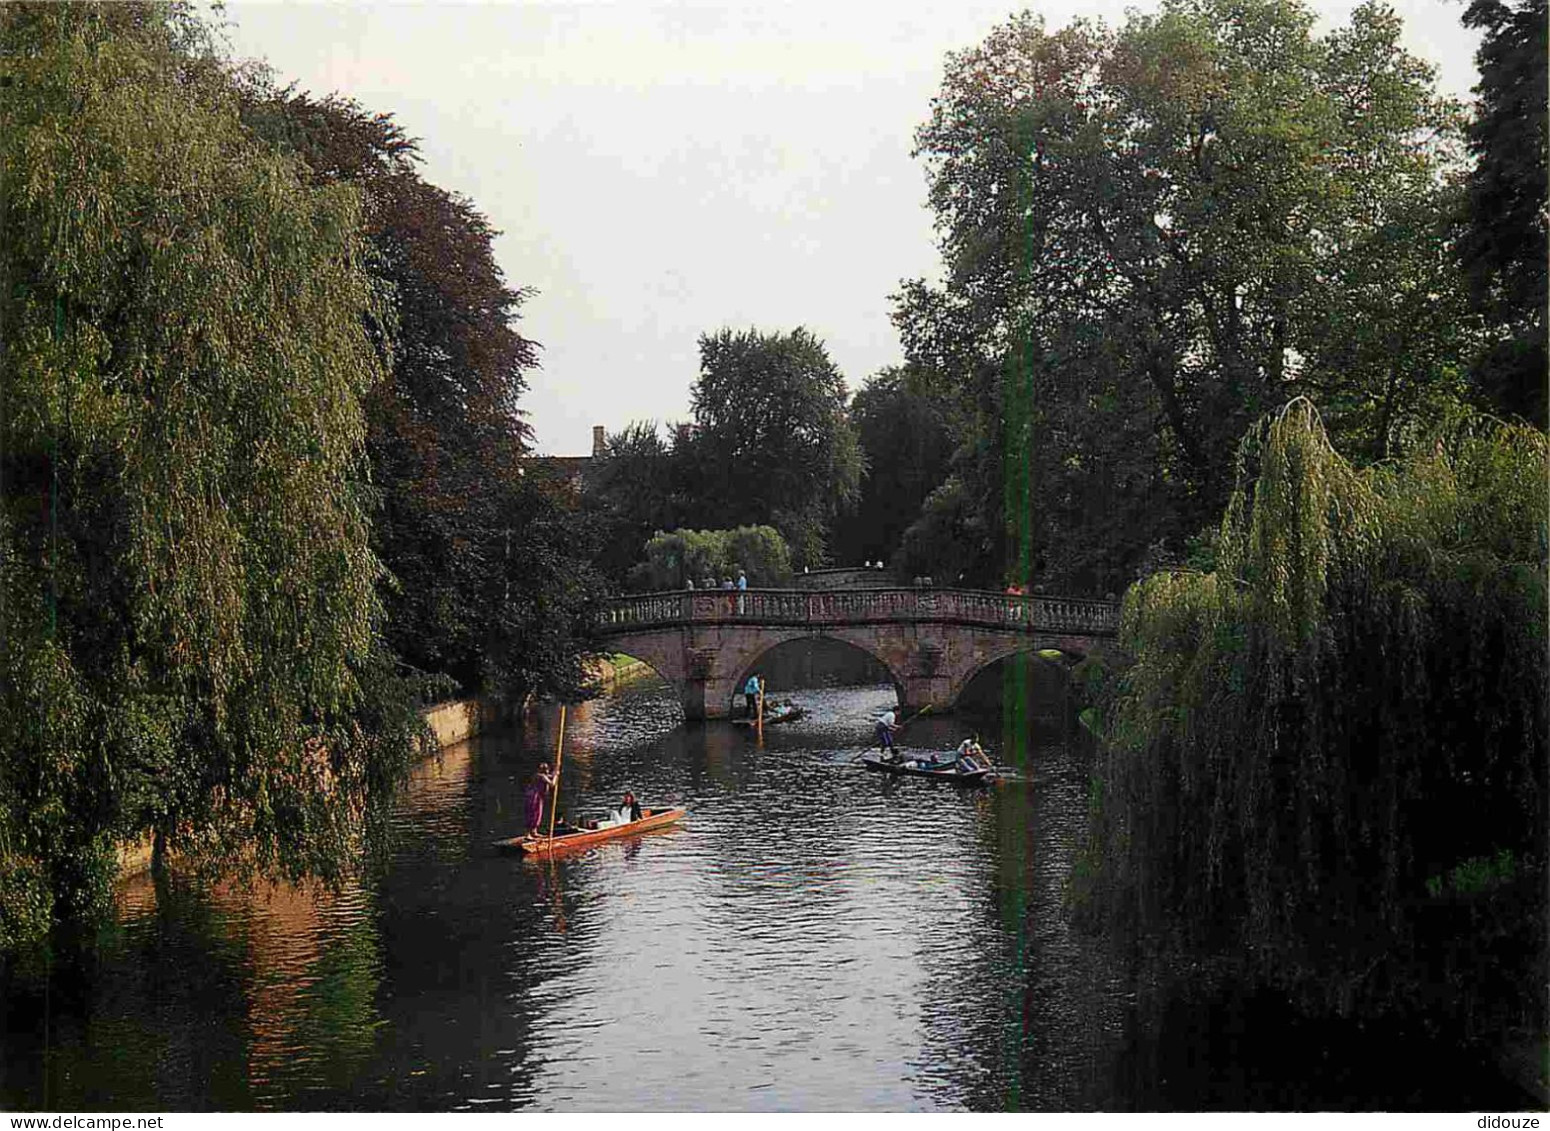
{"type": "Point", "coordinates": [785, 715]}
{"type": "Point", "coordinates": [939, 770]}
{"type": "Point", "coordinates": [585, 838]}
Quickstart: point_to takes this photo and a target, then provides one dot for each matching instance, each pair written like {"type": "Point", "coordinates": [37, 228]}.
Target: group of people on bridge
{"type": "Point", "coordinates": [726, 582]}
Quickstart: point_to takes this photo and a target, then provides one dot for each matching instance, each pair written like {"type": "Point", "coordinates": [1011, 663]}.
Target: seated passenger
{"type": "Point", "coordinates": [629, 810]}
{"type": "Point", "coordinates": [980, 757]}
{"type": "Point", "coordinates": [965, 763]}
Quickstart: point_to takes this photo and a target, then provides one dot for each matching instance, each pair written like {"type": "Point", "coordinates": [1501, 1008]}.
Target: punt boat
{"type": "Point", "coordinates": [941, 769]}
{"type": "Point", "coordinates": [569, 838]}
{"type": "Point", "coordinates": [789, 713]}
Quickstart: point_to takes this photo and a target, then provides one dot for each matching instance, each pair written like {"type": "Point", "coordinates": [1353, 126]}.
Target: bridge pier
{"type": "Point", "coordinates": [920, 692]}
{"type": "Point", "coordinates": [706, 698]}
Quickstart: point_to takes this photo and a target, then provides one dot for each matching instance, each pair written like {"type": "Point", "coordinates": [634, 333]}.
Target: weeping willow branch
{"type": "Point", "coordinates": [1350, 705]}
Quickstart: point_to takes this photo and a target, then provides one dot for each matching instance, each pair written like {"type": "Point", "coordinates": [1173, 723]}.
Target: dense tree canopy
{"type": "Point", "coordinates": [903, 425]}
{"type": "Point", "coordinates": [640, 487]}
{"type": "Point", "coordinates": [482, 560]}
{"type": "Point", "coordinates": [1505, 243]}
{"type": "Point", "coordinates": [771, 442]}
{"type": "Point", "coordinates": [189, 637]}
{"type": "Point", "coordinates": [1151, 235]}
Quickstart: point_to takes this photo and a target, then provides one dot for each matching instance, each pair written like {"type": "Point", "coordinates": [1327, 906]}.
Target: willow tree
{"type": "Point", "coordinates": [189, 622]}
{"type": "Point", "coordinates": [1320, 736]}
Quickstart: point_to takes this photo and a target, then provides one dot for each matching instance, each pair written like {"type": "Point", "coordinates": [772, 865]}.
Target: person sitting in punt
{"type": "Point", "coordinates": [971, 756]}
{"type": "Point", "coordinates": [629, 809]}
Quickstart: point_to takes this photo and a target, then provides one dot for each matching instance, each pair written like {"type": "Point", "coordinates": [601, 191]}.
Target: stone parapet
{"type": "Point", "coordinates": [862, 606]}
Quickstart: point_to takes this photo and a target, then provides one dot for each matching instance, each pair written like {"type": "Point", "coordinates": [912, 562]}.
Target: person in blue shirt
{"type": "Point", "coordinates": [750, 695]}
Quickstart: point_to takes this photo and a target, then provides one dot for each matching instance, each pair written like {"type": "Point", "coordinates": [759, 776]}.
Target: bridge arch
{"type": "Point", "coordinates": [996, 654]}
{"type": "Point", "coordinates": [750, 657]}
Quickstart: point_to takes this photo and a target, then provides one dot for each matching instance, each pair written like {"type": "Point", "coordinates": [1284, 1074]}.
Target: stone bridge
{"type": "Point", "coordinates": [932, 641]}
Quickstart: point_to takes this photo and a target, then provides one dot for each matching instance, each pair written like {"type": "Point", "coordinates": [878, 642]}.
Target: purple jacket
{"type": "Point", "coordinates": [533, 803]}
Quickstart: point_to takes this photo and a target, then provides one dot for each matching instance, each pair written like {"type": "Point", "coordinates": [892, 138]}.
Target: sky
{"type": "Point", "coordinates": [663, 170]}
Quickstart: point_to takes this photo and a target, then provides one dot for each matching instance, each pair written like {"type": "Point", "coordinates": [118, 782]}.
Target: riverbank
{"type": "Point", "coordinates": [450, 723]}
{"type": "Point", "coordinates": [619, 669]}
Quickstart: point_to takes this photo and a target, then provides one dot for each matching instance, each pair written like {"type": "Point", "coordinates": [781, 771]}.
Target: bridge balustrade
{"type": "Point", "coordinates": [853, 606]}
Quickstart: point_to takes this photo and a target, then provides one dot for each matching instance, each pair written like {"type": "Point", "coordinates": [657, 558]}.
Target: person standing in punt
{"type": "Point", "coordinates": [884, 730]}
{"type": "Point", "coordinates": [535, 797]}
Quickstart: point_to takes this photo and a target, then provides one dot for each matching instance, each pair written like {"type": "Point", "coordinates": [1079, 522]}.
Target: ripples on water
{"type": "Point", "coordinates": [813, 937]}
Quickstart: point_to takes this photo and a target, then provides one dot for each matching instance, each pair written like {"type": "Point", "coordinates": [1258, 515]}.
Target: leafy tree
{"type": "Point", "coordinates": [1350, 708]}
{"type": "Point", "coordinates": [1150, 235]}
{"type": "Point", "coordinates": [189, 639]}
{"type": "Point", "coordinates": [638, 488]}
{"type": "Point", "coordinates": [480, 557]}
{"type": "Point", "coordinates": [536, 601]}
{"type": "Point", "coordinates": [771, 442]}
{"type": "Point", "coordinates": [1504, 247]}
{"type": "Point", "coordinates": [675, 559]}
{"type": "Point", "coordinates": [903, 426]}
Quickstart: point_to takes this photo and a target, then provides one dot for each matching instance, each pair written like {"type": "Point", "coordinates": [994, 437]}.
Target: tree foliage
{"type": "Point", "coordinates": [189, 633]}
{"type": "Point", "coordinates": [490, 582]}
{"type": "Point", "coordinates": [713, 556]}
{"type": "Point", "coordinates": [1350, 707]}
{"type": "Point", "coordinates": [904, 427]}
{"type": "Point", "coordinates": [1152, 234]}
{"type": "Point", "coordinates": [639, 487]}
{"type": "Point", "coordinates": [771, 441]}
{"type": "Point", "coordinates": [1505, 241]}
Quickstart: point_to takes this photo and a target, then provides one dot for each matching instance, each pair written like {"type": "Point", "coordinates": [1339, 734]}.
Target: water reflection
{"type": "Point", "coordinates": [812, 937]}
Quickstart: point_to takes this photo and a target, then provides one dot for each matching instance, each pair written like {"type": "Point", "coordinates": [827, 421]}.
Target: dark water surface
{"type": "Point", "coordinates": [813, 937]}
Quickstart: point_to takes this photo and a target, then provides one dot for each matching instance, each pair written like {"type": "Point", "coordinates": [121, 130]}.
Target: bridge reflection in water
{"type": "Point", "coordinates": [932, 641]}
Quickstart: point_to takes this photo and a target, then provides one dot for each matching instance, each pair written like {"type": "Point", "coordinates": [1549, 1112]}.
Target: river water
{"type": "Point", "coordinates": [812, 937]}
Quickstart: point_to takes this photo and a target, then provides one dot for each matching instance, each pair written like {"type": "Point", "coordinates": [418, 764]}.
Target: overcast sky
{"type": "Point", "coordinates": [659, 170]}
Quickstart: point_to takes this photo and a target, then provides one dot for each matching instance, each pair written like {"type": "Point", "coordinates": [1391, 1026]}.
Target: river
{"type": "Point", "coordinates": [812, 937]}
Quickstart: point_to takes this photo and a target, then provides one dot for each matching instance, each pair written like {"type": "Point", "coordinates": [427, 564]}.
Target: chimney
{"type": "Point", "coordinates": [599, 442]}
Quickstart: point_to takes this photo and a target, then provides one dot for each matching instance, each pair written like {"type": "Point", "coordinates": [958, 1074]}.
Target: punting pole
{"type": "Point", "coordinates": [559, 756]}
{"type": "Point", "coordinates": [761, 710]}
